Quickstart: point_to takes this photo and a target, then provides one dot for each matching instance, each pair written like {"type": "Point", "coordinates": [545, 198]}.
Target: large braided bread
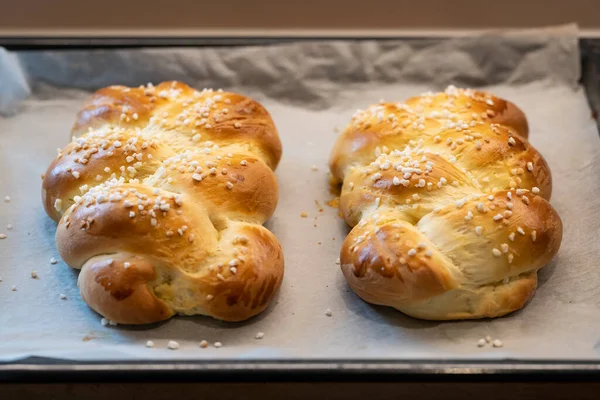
{"type": "Point", "coordinates": [448, 204]}
{"type": "Point", "coordinates": [161, 196]}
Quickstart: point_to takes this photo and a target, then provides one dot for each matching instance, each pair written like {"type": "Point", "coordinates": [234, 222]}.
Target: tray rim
{"type": "Point", "coordinates": [45, 42]}
{"type": "Point", "coordinates": [46, 370]}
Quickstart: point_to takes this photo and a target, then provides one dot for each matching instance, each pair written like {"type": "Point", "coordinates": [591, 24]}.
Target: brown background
{"type": "Point", "coordinates": [188, 17]}
{"type": "Point", "coordinates": [297, 391]}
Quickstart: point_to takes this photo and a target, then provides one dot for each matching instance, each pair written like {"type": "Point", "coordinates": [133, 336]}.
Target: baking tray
{"type": "Point", "coordinates": [52, 370]}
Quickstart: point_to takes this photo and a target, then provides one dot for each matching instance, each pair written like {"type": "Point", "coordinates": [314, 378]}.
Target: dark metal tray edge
{"type": "Point", "coordinates": [49, 370]}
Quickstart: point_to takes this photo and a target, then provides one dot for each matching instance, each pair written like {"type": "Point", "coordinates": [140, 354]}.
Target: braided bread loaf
{"type": "Point", "coordinates": [160, 199]}
{"type": "Point", "coordinates": [448, 204]}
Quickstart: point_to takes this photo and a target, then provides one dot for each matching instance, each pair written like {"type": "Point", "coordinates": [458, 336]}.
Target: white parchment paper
{"type": "Point", "coordinates": [311, 90]}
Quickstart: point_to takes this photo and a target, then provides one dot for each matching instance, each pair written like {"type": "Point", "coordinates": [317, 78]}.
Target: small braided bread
{"type": "Point", "coordinates": [160, 199]}
{"type": "Point", "coordinates": [448, 203]}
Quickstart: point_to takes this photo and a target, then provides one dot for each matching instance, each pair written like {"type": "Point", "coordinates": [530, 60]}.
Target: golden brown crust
{"type": "Point", "coordinates": [254, 285]}
{"type": "Point", "coordinates": [237, 186]}
{"type": "Point", "coordinates": [370, 259]}
{"type": "Point", "coordinates": [96, 158]}
{"type": "Point", "coordinates": [394, 125]}
{"type": "Point", "coordinates": [490, 301]}
{"type": "Point", "coordinates": [451, 215]}
{"type": "Point", "coordinates": [150, 289]}
{"type": "Point", "coordinates": [466, 102]}
{"type": "Point", "coordinates": [174, 106]}
{"type": "Point", "coordinates": [161, 201]}
{"type": "Point", "coordinates": [122, 295]}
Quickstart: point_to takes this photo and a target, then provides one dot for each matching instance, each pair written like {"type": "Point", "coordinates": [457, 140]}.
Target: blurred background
{"type": "Point", "coordinates": [287, 18]}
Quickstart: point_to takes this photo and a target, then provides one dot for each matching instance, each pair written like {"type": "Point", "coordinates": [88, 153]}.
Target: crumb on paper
{"type": "Point", "coordinates": [14, 288]}
{"type": "Point", "coordinates": [172, 345]}
{"type": "Point", "coordinates": [63, 296]}
{"type": "Point", "coordinates": [34, 275]}
{"type": "Point", "coordinates": [218, 344]}
{"type": "Point", "coordinates": [337, 261]}
{"type": "Point", "coordinates": [53, 261]}
{"type": "Point", "coordinates": [7, 199]}
{"type": "Point", "coordinates": [328, 312]}
{"type": "Point", "coordinates": [497, 343]}
{"type": "Point", "coordinates": [204, 344]}
{"type": "Point", "coordinates": [260, 335]}
{"type": "Point", "coordinates": [304, 214]}
{"type": "Point", "coordinates": [149, 343]}
{"type": "Point", "coordinates": [488, 339]}
{"type": "Point", "coordinates": [319, 208]}
{"type": "Point", "coordinates": [3, 236]}
{"type": "Point", "coordinates": [334, 203]}
{"type": "Point", "coordinates": [314, 167]}
{"type": "Point", "coordinates": [9, 227]}
{"type": "Point", "coordinates": [481, 342]}
{"type": "Point", "coordinates": [106, 322]}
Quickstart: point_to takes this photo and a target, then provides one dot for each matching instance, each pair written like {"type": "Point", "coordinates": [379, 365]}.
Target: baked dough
{"type": "Point", "coordinates": [160, 200]}
{"type": "Point", "coordinates": [449, 206]}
